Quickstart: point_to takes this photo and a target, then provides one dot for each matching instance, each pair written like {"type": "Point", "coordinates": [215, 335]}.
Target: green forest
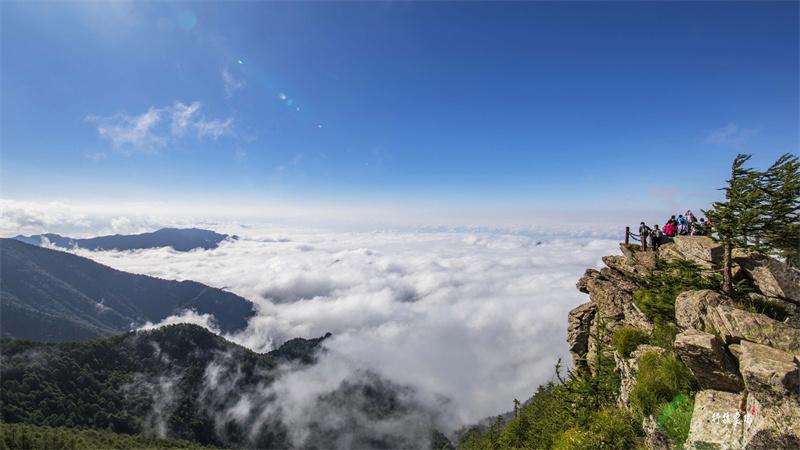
{"type": "Point", "coordinates": [116, 383]}
{"type": "Point", "coordinates": [26, 436]}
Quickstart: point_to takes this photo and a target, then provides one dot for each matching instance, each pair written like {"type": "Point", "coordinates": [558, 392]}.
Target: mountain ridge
{"type": "Point", "coordinates": [180, 239]}
{"type": "Point", "coordinates": [57, 296]}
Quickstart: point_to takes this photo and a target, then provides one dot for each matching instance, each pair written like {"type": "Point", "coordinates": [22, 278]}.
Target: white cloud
{"type": "Point", "coordinates": [231, 83]}
{"type": "Point", "coordinates": [20, 217]}
{"type": "Point", "coordinates": [137, 131]}
{"type": "Point", "coordinates": [188, 316]}
{"type": "Point", "coordinates": [476, 319]}
{"type": "Point", "coordinates": [214, 128]}
{"type": "Point", "coordinates": [731, 135]}
{"type": "Point", "coordinates": [182, 116]}
{"type": "Point", "coordinates": [150, 131]}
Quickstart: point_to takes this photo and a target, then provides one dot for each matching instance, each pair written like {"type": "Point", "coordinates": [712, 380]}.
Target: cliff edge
{"type": "Point", "coordinates": [742, 351]}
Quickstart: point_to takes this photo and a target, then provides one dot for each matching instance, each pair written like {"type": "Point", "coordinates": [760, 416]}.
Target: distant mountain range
{"type": "Point", "coordinates": [51, 295]}
{"type": "Point", "coordinates": [181, 239]}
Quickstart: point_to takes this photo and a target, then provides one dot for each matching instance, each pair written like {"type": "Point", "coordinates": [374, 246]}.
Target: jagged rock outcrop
{"type": "Point", "coordinates": [705, 355]}
{"type": "Point", "coordinates": [735, 325]}
{"type": "Point", "coordinates": [747, 364]}
{"type": "Point", "coordinates": [717, 421]}
{"type": "Point", "coordinates": [711, 312]}
{"type": "Point", "coordinates": [611, 293]}
{"type": "Point", "coordinates": [772, 277]}
{"type": "Point", "coordinates": [613, 300]}
{"type": "Point", "coordinates": [580, 320]}
{"type": "Point", "coordinates": [632, 263]}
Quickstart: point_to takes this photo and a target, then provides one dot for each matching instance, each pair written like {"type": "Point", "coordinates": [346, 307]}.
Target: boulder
{"type": "Point", "coordinates": [699, 249]}
{"type": "Point", "coordinates": [579, 322]}
{"type": "Point", "coordinates": [716, 421]}
{"type": "Point", "coordinates": [773, 425]}
{"type": "Point", "coordinates": [769, 374]}
{"type": "Point", "coordinates": [691, 307]}
{"type": "Point", "coordinates": [627, 369]}
{"type": "Point", "coordinates": [734, 325]}
{"type": "Point", "coordinates": [708, 360]}
{"type": "Point", "coordinates": [772, 277]}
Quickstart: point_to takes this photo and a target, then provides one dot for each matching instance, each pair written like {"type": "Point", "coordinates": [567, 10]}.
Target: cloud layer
{"type": "Point", "coordinates": [468, 321]}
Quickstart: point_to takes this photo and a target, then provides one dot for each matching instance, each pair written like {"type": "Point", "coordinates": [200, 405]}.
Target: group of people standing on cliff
{"type": "Point", "coordinates": [682, 225]}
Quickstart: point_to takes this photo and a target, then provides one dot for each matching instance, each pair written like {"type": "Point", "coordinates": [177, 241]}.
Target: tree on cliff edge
{"type": "Point", "coordinates": [782, 187]}
{"type": "Point", "coordinates": [761, 211]}
{"type": "Point", "coordinates": [739, 218]}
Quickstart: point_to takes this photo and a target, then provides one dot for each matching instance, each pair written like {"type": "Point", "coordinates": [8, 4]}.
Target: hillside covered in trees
{"type": "Point", "coordinates": [51, 295]}
{"type": "Point", "coordinates": [172, 382]}
{"type": "Point", "coordinates": [184, 382]}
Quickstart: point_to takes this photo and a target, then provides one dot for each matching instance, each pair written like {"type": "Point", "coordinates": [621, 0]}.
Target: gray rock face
{"type": "Point", "coordinates": [772, 277]}
{"type": "Point", "coordinates": [716, 421]}
{"type": "Point", "coordinates": [708, 360]}
{"type": "Point", "coordinates": [769, 374]}
{"type": "Point", "coordinates": [772, 425]}
{"type": "Point", "coordinates": [735, 325]}
{"type": "Point", "coordinates": [691, 308]}
{"type": "Point", "coordinates": [709, 311]}
{"type": "Point", "coordinates": [700, 249]}
{"type": "Point", "coordinates": [579, 322]}
{"type": "Point", "coordinates": [636, 264]}
{"type": "Point", "coordinates": [581, 284]}
{"type": "Point", "coordinates": [613, 296]}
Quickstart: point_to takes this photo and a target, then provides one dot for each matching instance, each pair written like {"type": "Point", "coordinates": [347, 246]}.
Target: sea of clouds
{"type": "Point", "coordinates": [468, 321]}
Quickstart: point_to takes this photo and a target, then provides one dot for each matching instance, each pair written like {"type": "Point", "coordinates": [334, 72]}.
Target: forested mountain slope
{"type": "Point", "coordinates": [175, 381]}
{"type": "Point", "coordinates": [57, 296]}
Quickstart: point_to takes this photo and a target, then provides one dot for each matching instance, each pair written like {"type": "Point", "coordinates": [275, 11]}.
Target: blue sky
{"type": "Point", "coordinates": [519, 105]}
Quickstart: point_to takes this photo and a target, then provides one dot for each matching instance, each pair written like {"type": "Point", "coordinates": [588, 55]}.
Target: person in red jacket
{"type": "Point", "coordinates": [670, 229]}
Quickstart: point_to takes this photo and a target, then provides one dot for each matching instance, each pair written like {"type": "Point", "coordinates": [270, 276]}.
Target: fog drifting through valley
{"type": "Point", "coordinates": [468, 321]}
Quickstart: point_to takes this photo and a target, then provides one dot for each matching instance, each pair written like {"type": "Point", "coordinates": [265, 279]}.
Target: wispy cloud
{"type": "Point", "coordinates": [731, 135]}
{"type": "Point", "coordinates": [138, 131]}
{"type": "Point", "coordinates": [213, 128]}
{"type": "Point", "coordinates": [231, 83]}
{"type": "Point", "coordinates": [157, 127]}
{"type": "Point", "coordinates": [183, 116]}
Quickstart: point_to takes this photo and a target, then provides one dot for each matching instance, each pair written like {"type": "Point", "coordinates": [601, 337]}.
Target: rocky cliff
{"type": "Point", "coordinates": [742, 351]}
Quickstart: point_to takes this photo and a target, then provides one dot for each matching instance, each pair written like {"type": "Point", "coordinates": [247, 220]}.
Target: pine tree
{"type": "Point", "coordinates": [739, 219]}
{"type": "Point", "coordinates": [781, 184]}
